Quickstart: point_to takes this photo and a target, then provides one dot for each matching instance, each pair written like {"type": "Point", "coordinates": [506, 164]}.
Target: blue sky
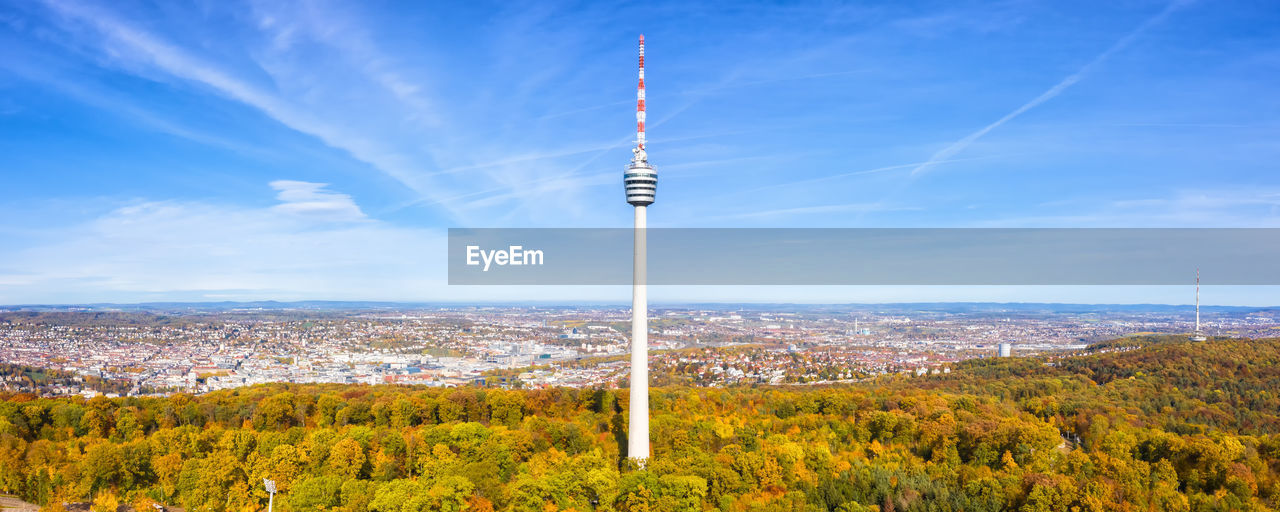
{"type": "Point", "coordinates": [278, 150]}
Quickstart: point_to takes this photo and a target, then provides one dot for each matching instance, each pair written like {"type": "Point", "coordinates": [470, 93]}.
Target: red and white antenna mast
{"type": "Point", "coordinates": [640, 100]}
{"type": "Point", "coordinates": [640, 179]}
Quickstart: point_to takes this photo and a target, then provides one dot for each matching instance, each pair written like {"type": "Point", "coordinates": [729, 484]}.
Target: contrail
{"type": "Point", "coordinates": [1067, 82]}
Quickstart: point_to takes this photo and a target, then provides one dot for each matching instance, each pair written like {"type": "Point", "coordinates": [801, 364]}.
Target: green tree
{"type": "Point", "coordinates": [315, 494]}
{"type": "Point", "coordinates": [347, 459]}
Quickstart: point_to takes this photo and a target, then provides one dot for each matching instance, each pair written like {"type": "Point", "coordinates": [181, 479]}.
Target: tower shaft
{"type": "Point", "coordinates": [638, 431]}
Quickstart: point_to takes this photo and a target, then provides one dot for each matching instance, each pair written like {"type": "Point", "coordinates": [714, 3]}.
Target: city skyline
{"type": "Point", "coordinates": [242, 152]}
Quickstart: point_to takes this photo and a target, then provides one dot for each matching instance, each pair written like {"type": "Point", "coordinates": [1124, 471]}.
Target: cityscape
{"type": "Point", "coordinates": [197, 350]}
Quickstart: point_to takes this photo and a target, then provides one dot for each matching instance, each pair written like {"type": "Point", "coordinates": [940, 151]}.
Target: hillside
{"type": "Point", "coordinates": [1166, 426]}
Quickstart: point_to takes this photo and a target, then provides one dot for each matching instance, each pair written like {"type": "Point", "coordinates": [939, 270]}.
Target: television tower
{"type": "Point", "coordinates": [1198, 336]}
{"type": "Point", "coordinates": [641, 183]}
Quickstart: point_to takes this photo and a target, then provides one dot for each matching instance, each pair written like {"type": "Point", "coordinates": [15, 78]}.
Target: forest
{"type": "Point", "coordinates": [1148, 424]}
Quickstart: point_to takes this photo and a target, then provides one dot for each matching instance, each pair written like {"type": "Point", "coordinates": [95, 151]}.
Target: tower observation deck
{"type": "Point", "coordinates": [641, 181]}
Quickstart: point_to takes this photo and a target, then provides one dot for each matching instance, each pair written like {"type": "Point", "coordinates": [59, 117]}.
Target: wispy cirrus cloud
{"type": "Point", "coordinates": [286, 23]}
{"type": "Point", "coordinates": [956, 147]}
{"type": "Point", "coordinates": [827, 209]}
{"type": "Point", "coordinates": [315, 68]}
{"type": "Point", "coordinates": [137, 46]}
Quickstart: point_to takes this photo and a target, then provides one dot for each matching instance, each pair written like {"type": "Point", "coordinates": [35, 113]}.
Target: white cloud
{"type": "Point", "coordinates": [196, 250]}
{"type": "Point", "coordinates": [311, 200]}
{"type": "Point", "coordinates": [1192, 208]}
{"type": "Point", "coordinates": [202, 251]}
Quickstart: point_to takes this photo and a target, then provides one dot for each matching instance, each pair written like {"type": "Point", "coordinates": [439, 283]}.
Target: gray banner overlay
{"type": "Point", "coordinates": [945, 256]}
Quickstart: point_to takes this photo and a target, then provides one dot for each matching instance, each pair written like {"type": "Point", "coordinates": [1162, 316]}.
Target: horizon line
{"type": "Point", "coordinates": [10, 307]}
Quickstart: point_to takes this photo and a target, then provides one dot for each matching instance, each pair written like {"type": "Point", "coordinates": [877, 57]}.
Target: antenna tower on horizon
{"type": "Point", "coordinates": [1198, 336]}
